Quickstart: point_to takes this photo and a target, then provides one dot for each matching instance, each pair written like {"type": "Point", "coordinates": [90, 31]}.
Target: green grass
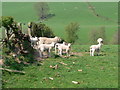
{"type": "Point", "coordinates": [66, 13]}
{"type": "Point", "coordinates": [97, 72]}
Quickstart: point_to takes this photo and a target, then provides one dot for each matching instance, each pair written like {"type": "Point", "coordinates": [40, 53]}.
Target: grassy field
{"type": "Point", "coordinates": [95, 72]}
{"type": "Point", "coordinates": [66, 13]}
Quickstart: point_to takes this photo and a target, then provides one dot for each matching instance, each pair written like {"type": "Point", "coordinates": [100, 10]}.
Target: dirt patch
{"type": "Point", "coordinates": [45, 56]}
{"type": "Point", "coordinates": [77, 53]}
{"type": "Point", "coordinates": [37, 56]}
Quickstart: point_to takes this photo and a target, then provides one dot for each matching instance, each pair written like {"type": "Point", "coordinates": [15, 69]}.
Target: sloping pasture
{"type": "Point", "coordinates": [90, 72]}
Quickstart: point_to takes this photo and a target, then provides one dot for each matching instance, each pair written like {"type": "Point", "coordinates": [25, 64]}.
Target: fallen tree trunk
{"type": "Point", "coordinates": [9, 70]}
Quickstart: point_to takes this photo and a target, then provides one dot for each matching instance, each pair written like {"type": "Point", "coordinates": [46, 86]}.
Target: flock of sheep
{"type": "Point", "coordinates": [42, 44]}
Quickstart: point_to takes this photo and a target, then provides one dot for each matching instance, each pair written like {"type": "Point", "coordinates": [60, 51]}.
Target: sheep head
{"type": "Point", "coordinates": [58, 39]}
{"type": "Point", "coordinates": [100, 40]}
{"type": "Point", "coordinates": [69, 44]}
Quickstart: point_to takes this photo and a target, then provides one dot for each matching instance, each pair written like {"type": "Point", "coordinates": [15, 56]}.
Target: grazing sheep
{"type": "Point", "coordinates": [56, 46]}
{"type": "Point", "coordinates": [64, 47]}
{"type": "Point", "coordinates": [33, 40]}
{"type": "Point", "coordinates": [46, 40]}
{"type": "Point", "coordinates": [43, 47]}
{"type": "Point", "coordinates": [97, 47]}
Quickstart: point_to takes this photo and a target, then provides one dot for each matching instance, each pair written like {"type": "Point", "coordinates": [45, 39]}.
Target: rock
{"type": "Point", "coordinates": [80, 70]}
{"type": "Point", "coordinates": [75, 82]}
{"type": "Point", "coordinates": [51, 78]}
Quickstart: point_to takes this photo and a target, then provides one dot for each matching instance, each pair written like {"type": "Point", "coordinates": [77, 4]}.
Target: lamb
{"type": "Point", "coordinates": [34, 41]}
{"type": "Point", "coordinates": [64, 47]}
{"type": "Point", "coordinates": [46, 40]}
{"type": "Point", "coordinates": [97, 47]}
{"type": "Point", "coordinates": [56, 46]}
{"type": "Point", "coordinates": [42, 47]}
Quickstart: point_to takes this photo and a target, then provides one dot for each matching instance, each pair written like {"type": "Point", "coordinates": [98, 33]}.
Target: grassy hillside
{"type": "Point", "coordinates": [91, 72]}
{"type": "Point", "coordinates": [95, 72]}
{"type": "Point", "coordinates": [66, 13]}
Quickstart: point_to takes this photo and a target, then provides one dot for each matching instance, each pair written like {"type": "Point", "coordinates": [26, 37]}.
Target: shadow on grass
{"type": "Point", "coordinates": [101, 54]}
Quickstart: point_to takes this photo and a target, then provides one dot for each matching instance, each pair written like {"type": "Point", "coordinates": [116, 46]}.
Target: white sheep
{"type": "Point", "coordinates": [64, 47]}
{"type": "Point", "coordinates": [56, 46]}
{"type": "Point", "coordinates": [43, 47]}
{"type": "Point", "coordinates": [97, 47]}
{"type": "Point", "coordinates": [34, 41]}
{"type": "Point", "coordinates": [46, 40]}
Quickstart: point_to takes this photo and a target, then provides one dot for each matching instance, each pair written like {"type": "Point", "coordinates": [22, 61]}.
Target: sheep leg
{"type": "Point", "coordinates": [60, 52]}
{"type": "Point", "coordinates": [93, 50]}
{"type": "Point", "coordinates": [98, 52]}
{"type": "Point", "coordinates": [55, 49]}
{"type": "Point", "coordinates": [31, 44]}
{"type": "Point", "coordinates": [41, 54]}
{"type": "Point", "coordinates": [90, 52]}
{"type": "Point", "coordinates": [49, 53]}
{"type": "Point", "coordinates": [35, 44]}
{"type": "Point", "coordinates": [67, 51]}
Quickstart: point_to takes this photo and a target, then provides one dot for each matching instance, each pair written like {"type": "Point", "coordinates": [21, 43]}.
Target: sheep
{"type": "Point", "coordinates": [58, 44]}
{"type": "Point", "coordinates": [42, 47]}
{"type": "Point", "coordinates": [34, 41]}
{"type": "Point", "coordinates": [46, 40]}
{"type": "Point", "coordinates": [64, 47]}
{"type": "Point", "coordinates": [97, 47]}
